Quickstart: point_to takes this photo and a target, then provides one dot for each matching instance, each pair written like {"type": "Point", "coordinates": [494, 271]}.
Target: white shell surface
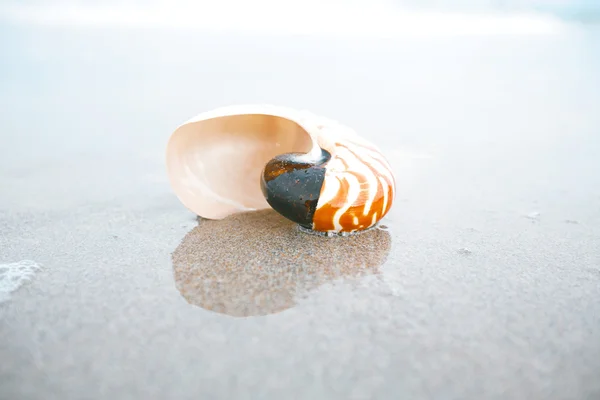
{"type": "Point", "coordinates": [215, 159]}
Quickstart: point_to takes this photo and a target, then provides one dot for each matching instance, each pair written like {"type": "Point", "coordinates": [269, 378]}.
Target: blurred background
{"type": "Point", "coordinates": [342, 18]}
{"type": "Point", "coordinates": [89, 81]}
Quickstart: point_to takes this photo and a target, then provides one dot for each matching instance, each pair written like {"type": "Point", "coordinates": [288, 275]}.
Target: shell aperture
{"type": "Point", "coordinates": [311, 170]}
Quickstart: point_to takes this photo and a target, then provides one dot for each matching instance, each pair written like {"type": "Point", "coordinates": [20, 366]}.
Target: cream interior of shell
{"type": "Point", "coordinates": [214, 165]}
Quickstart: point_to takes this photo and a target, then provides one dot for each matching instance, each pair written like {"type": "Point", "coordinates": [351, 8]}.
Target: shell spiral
{"type": "Point", "coordinates": [312, 170]}
{"type": "Point", "coordinates": [358, 189]}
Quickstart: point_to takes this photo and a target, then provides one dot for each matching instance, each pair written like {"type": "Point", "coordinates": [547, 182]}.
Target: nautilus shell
{"type": "Point", "coordinates": [312, 170]}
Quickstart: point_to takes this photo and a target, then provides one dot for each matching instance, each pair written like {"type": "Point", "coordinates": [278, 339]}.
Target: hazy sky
{"type": "Point", "coordinates": [379, 18]}
{"type": "Point", "coordinates": [414, 4]}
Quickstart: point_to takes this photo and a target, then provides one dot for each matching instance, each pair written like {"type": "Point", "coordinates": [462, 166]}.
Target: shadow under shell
{"type": "Point", "coordinates": [258, 263]}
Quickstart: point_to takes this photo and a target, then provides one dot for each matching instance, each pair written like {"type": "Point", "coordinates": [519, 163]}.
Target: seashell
{"type": "Point", "coordinates": [312, 170]}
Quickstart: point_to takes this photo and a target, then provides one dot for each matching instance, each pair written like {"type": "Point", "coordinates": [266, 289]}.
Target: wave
{"type": "Point", "coordinates": [14, 275]}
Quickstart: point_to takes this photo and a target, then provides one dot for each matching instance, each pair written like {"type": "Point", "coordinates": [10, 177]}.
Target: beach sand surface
{"type": "Point", "coordinates": [483, 284]}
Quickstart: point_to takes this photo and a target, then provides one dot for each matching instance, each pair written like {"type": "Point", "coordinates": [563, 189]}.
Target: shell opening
{"type": "Point", "coordinates": [214, 164]}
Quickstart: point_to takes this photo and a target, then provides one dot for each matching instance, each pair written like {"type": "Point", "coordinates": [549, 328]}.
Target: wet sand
{"type": "Point", "coordinates": [486, 284]}
{"type": "Point", "coordinates": [258, 263]}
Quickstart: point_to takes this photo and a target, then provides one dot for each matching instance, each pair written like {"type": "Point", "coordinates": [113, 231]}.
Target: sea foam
{"type": "Point", "coordinates": [14, 275]}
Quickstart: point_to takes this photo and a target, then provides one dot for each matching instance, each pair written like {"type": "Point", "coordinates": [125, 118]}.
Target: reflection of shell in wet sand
{"type": "Point", "coordinates": [256, 263]}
